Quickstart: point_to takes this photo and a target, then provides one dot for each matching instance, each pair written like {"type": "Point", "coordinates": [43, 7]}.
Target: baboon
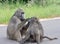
{"type": "Point", "coordinates": [35, 32]}
{"type": "Point", "coordinates": [16, 22]}
{"type": "Point", "coordinates": [17, 28]}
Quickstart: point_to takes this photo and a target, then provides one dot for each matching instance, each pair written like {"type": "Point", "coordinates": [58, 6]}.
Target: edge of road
{"type": "Point", "coordinates": [45, 19]}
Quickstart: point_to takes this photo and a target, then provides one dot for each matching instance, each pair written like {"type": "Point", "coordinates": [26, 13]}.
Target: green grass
{"type": "Point", "coordinates": [6, 11]}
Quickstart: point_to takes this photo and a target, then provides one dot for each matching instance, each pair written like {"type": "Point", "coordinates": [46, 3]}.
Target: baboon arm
{"type": "Point", "coordinates": [21, 25]}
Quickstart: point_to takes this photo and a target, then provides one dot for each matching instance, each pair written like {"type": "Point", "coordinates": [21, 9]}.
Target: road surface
{"type": "Point", "coordinates": [51, 29]}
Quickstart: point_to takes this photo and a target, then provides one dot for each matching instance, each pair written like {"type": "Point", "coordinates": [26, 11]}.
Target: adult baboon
{"type": "Point", "coordinates": [16, 22]}
{"type": "Point", "coordinates": [35, 32]}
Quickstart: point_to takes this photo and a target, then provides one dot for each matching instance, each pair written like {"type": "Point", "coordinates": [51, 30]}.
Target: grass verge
{"type": "Point", "coordinates": [6, 11]}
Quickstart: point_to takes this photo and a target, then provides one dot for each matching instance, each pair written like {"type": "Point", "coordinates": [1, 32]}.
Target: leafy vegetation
{"type": "Point", "coordinates": [51, 9]}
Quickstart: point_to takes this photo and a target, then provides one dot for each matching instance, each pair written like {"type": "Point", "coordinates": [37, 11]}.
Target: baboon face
{"type": "Point", "coordinates": [19, 13]}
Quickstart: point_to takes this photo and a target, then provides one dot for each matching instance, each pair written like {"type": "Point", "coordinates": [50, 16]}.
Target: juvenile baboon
{"type": "Point", "coordinates": [35, 32]}
{"type": "Point", "coordinates": [16, 22]}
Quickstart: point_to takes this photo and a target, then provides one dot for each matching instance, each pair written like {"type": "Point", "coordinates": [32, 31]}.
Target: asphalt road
{"type": "Point", "coordinates": [51, 29]}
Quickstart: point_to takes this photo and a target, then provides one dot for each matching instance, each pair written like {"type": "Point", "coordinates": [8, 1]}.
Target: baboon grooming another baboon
{"type": "Point", "coordinates": [16, 22]}
{"type": "Point", "coordinates": [17, 28]}
{"type": "Point", "coordinates": [35, 32]}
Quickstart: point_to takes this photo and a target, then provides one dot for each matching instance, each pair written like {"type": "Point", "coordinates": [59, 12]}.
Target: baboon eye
{"type": "Point", "coordinates": [22, 12]}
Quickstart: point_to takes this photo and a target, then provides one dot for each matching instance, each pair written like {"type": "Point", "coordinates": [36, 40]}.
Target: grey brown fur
{"type": "Point", "coordinates": [34, 29]}
{"type": "Point", "coordinates": [17, 28]}
{"type": "Point", "coordinates": [35, 32]}
{"type": "Point", "coordinates": [16, 22]}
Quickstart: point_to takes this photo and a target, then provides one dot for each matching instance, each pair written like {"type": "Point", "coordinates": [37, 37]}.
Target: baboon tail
{"type": "Point", "coordinates": [49, 38]}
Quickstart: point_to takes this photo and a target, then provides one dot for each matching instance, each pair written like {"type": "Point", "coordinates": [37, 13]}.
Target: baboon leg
{"type": "Point", "coordinates": [49, 38]}
{"type": "Point", "coordinates": [17, 35]}
{"type": "Point", "coordinates": [38, 38]}
{"type": "Point", "coordinates": [24, 39]}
